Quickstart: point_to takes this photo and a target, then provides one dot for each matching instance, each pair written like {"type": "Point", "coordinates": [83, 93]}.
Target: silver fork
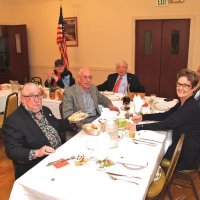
{"type": "Point", "coordinates": [117, 178]}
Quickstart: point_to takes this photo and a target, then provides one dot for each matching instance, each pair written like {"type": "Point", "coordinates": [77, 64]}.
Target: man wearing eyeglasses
{"type": "Point", "coordinates": [32, 132]}
{"type": "Point", "coordinates": [84, 96]}
{"type": "Point", "coordinates": [122, 81]}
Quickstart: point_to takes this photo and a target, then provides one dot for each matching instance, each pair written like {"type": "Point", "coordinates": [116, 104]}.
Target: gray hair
{"type": "Point", "coordinates": [122, 62]}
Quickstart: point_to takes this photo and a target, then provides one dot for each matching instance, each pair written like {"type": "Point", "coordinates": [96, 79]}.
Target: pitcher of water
{"type": "Point", "coordinates": [15, 86]}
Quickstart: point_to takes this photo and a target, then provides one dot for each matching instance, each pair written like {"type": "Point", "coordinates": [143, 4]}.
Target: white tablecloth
{"type": "Point", "coordinates": [73, 182]}
{"type": "Point", "coordinates": [3, 97]}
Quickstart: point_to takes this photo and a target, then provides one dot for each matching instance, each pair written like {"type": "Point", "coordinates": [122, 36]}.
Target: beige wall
{"type": "Point", "coordinates": [105, 30]}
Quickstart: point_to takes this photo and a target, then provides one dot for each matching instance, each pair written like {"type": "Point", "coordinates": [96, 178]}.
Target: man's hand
{"type": "Point", "coordinates": [44, 151]}
{"type": "Point", "coordinates": [112, 107]}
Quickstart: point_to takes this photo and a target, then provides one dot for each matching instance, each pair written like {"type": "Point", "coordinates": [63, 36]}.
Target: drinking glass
{"type": "Point", "coordinates": [111, 127]}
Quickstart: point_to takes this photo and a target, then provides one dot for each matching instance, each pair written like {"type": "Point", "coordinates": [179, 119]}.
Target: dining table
{"type": "Point", "coordinates": [132, 165]}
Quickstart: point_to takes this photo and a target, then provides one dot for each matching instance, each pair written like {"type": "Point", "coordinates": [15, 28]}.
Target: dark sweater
{"type": "Point", "coordinates": [181, 119]}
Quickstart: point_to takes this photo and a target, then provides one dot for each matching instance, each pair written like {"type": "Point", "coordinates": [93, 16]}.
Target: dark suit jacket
{"type": "Point", "coordinates": [181, 119]}
{"type": "Point", "coordinates": [132, 79]}
{"type": "Point", "coordinates": [22, 134]}
{"type": "Point", "coordinates": [60, 82]}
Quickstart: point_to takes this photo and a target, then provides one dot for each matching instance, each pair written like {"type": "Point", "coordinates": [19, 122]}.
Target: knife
{"type": "Point", "coordinates": [57, 161]}
{"type": "Point", "coordinates": [150, 140]}
{"type": "Point", "coordinates": [139, 166]}
{"type": "Point", "coordinates": [143, 141]}
{"type": "Point", "coordinates": [115, 174]}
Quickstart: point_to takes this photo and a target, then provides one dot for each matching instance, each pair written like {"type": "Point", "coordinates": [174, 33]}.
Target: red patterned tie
{"type": "Point", "coordinates": [116, 87]}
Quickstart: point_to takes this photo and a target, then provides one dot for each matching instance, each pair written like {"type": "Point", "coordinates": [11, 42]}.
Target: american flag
{"type": "Point", "coordinates": [61, 39]}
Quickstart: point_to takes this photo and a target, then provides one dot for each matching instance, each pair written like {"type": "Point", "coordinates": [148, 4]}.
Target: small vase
{"type": "Point", "coordinates": [52, 95]}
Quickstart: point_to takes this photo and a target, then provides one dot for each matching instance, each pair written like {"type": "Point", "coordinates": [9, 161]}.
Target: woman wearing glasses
{"type": "Point", "coordinates": [184, 117]}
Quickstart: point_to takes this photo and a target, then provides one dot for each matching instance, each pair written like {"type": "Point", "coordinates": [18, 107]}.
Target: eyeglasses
{"type": "Point", "coordinates": [34, 97]}
{"type": "Point", "coordinates": [87, 78]}
{"type": "Point", "coordinates": [184, 85]}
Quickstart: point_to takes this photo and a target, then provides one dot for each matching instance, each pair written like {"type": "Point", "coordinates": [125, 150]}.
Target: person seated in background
{"type": "Point", "coordinates": [84, 96]}
{"type": "Point", "coordinates": [122, 81]}
{"type": "Point", "coordinates": [32, 131]}
{"type": "Point", "coordinates": [184, 117]}
{"type": "Point", "coordinates": [197, 91]}
{"type": "Point", "coordinates": [60, 76]}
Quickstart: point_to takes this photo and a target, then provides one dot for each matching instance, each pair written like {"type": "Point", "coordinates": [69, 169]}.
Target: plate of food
{"type": "Point", "coordinates": [122, 123]}
{"type": "Point", "coordinates": [92, 129]}
{"type": "Point", "coordinates": [103, 164]}
{"type": "Point", "coordinates": [77, 116]}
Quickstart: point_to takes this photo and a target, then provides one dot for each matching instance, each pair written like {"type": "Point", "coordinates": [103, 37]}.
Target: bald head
{"type": "Point", "coordinates": [84, 78]}
{"type": "Point", "coordinates": [29, 88]}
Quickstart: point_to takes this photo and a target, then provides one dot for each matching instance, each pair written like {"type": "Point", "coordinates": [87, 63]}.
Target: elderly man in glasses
{"type": "Point", "coordinates": [122, 81]}
{"type": "Point", "coordinates": [32, 132]}
{"type": "Point", "coordinates": [84, 96]}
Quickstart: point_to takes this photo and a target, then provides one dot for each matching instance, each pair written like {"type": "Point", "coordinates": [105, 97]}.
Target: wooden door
{"type": "Point", "coordinates": [18, 61]}
{"type": "Point", "coordinates": [161, 51]}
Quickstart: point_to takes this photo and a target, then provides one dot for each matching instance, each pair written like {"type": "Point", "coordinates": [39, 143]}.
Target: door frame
{"type": "Point", "coordinates": [191, 37]}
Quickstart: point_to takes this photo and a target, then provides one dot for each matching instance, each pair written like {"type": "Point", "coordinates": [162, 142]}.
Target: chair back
{"type": "Point", "coordinates": [174, 159]}
{"type": "Point", "coordinates": [36, 80]}
{"type": "Point", "coordinates": [11, 104]}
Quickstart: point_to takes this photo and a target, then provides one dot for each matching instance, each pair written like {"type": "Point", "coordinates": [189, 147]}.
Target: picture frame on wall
{"type": "Point", "coordinates": [71, 31]}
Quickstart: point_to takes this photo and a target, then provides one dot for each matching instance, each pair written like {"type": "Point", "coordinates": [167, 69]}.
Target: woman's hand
{"type": "Point", "coordinates": [137, 118]}
{"type": "Point", "coordinates": [131, 127]}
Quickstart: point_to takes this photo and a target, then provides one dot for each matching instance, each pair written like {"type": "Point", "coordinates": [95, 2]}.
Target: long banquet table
{"type": "Point", "coordinates": [87, 181]}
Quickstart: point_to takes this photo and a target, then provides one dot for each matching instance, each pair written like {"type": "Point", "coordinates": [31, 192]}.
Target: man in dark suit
{"type": "Point", "coordinates": [32, 131]}
{"type": "Point", "coordinates": [128, 81]}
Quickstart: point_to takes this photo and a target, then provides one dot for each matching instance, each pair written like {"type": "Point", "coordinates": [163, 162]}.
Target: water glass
{"type": "Point", "coordinates": [111, 127]}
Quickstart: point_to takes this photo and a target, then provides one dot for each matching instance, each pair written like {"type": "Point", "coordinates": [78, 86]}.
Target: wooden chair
{"type": "Point", "coordinates": [11, 106]}
{"type": "Point", "coordinates": [184, 177]}
{"type": "Point", "coordinates": [159, 187]}
{"type": "Point", "coordinates": [36, 80]}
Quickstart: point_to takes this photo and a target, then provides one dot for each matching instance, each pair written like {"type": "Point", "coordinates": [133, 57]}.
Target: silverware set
{"type": "Point", "coordinates": [145, 142]}
{"type": "Point", "coordinates": [115, 177]}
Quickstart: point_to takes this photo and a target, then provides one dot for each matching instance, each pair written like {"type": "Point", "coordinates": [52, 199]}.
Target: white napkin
{"type": "Point", "coordinates": [138, 103]}
{"type": "Point", "coordinates": [151, 135]}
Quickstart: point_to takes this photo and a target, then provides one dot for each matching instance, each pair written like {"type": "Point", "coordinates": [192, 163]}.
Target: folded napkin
{"type": "Point", "coordinates": [138, 103]}
{"type": "Point", "coordinates": [150, 135]}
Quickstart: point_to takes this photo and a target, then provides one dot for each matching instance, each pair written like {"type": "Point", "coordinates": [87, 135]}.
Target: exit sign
{"type": "Point", "coordinates": [161, 2]}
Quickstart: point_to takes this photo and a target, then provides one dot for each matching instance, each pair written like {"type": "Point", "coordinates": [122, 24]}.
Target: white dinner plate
{"type": "Point", "coordinates": [114, 98]}
{"type": "Point", "coordinates": [161, 107]}
{"type": "Point", "coordinates": [107, 93]}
